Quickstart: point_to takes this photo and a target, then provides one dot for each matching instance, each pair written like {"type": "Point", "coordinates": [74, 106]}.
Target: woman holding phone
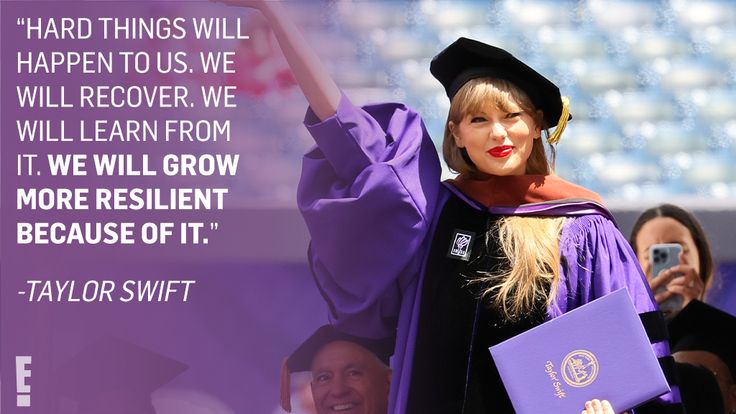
{"type": "Point", "coordinates": [451, 268]}
{"type": "Point", "coordinates": [675, 255]}
{"type": "Point", "coordinates": [657, 230]}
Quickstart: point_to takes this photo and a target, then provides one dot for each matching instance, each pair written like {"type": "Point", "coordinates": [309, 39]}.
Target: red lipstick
{"type": "Point", "coordinates": [501, 151]}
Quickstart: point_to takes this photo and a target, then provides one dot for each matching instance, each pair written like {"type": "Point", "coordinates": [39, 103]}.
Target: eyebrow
{"type": "Point", "coordinates": [355, 365]}
{"type": "Point", "coordinates": [485, 113]}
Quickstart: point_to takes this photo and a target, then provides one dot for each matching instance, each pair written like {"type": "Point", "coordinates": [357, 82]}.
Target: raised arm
{"type": "Point", "coordinates": [317, 85]}
{"type": "Point", "coordinates": [368, 192]}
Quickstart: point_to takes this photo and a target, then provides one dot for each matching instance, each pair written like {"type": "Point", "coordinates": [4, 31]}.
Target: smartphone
{"type": "Point", "coordinates": [662, 257]}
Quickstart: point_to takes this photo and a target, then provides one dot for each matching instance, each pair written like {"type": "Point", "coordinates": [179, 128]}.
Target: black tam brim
{"type": "Point", "coordinates": [468, 59]}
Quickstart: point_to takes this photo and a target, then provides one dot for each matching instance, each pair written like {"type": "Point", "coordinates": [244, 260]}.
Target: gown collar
{"type": "Point", "coordinates": [540, 195]}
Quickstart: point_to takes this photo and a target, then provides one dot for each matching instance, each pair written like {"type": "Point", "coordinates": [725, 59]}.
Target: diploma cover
{"type": "Point", "coordinates": [599, 350]}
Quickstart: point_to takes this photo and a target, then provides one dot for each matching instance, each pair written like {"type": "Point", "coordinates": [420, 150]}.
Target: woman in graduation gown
{"type": "Point", "coordinates": [451, 268]}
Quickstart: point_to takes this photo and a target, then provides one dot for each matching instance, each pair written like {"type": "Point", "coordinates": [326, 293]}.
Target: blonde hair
{"type": "Point", "coordinates": [531, 244]}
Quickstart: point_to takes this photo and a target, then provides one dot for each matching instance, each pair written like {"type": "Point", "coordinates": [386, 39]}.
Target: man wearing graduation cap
{"type": "Point", "coordinates": [704, 336]}
{"type": "Point", "coordinates": [451, 268]}
{"type": "Point", "coordinates": [350, 374]}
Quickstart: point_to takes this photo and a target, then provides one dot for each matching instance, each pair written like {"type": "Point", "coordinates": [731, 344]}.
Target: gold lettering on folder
{"type": "Point", "coordinates": [579, 368]}
{"type": "Point", "coordinates": [549, 368]}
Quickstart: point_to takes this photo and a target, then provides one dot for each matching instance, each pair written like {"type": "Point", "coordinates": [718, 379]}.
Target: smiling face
{"type": "Point", "coordinates": [493, 129]}
{"type": "Point", "coordinates": [498, 141]}
{"type": "Point", "coordinates": [349, 379]}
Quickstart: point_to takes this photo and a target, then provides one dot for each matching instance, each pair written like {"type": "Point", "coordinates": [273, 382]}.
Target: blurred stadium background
{"type": "Point", "coordinates": [652, 86]}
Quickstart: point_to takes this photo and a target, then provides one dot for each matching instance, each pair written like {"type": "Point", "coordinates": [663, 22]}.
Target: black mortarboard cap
{"type": "Point", "coordinates": [701, 327]}
{"type": "Point", "coordinates": [301, 359]}
{"type": "Point", "coordinates": [113, 365]}
{"type": "Point", "coordinates": [468, 59]}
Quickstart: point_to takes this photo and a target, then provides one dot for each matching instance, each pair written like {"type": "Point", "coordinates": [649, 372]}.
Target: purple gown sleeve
{"type": "Point", "coordinates": [597, 260]}
{"type": "Point", "coordinates": [367, 194]}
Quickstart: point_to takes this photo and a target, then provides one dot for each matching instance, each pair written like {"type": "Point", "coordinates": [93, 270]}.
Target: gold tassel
{"type": "Point", "coordinates": [555, 137]}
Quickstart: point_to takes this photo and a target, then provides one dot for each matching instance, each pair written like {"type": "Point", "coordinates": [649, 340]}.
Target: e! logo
{"type": "Point", "coordinates": [22, 372]}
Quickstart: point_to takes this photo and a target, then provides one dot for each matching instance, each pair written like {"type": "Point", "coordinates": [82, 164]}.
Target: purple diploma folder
{"type": "Point", "coordinates": [599, 350]}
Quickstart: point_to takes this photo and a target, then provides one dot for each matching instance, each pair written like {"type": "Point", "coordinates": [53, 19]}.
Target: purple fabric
{"type": "Point", "coordinates": [545, 347]}
{"type": "Point", "coordinates": [370, 194]}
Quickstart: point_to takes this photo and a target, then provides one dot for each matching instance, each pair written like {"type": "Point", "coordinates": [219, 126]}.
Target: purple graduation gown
{"type": "Point", "coordinates": [370, 194]}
